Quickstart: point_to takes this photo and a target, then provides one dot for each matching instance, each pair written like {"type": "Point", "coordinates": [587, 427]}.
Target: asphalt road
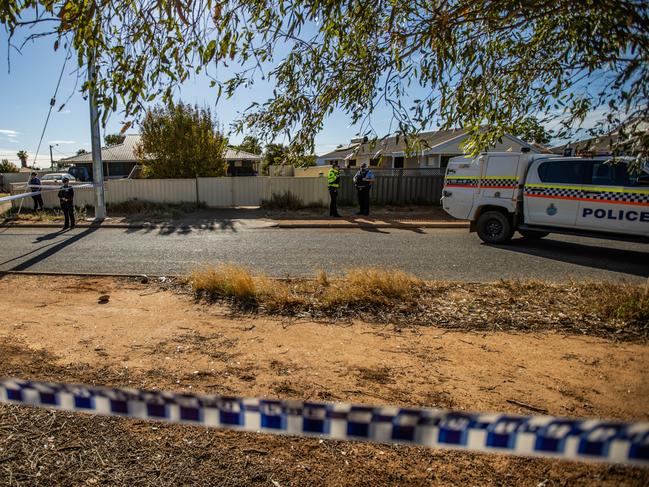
{"type": "Point", "coordinates": [434, 253]}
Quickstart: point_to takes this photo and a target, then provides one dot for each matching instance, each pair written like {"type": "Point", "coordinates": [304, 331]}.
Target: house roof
{"type": "Point", "coordinates": [125, 152]}
{"type": "Point", "coordinates": [340, 152]}
{"type": "Point", "coordinates": [397, 144]}
{"type": "Point", "coordinates": [232, 154]}
{"type": "Point", "coordinates": [604, 143]}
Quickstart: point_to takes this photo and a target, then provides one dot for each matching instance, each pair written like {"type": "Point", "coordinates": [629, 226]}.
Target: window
{"type": "Point", "coordinates": [398, 162]}
{"type": "Point", "coordinates": [567, 172]}
{"type": "Point", "coordinates": [605, 173]}
{"type": "Point", "coordinates": [351, 163]}
{"type": "Point", "coordinates": [375, 161]}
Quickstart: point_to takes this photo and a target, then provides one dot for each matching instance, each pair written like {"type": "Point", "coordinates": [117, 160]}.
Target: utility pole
{"type": "Point", "coordinates": [97, 163]}
{"type": "Point", "coordinates": [52, 158]}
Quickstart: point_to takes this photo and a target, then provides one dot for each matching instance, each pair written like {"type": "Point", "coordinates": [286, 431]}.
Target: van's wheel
{"type": "Point", "coordinates": [533, 234]}
{"type": "Point", "coordinates": [494, 227]}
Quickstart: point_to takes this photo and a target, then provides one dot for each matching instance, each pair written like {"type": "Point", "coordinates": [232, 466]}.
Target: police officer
{"type": "Point", "coordinates": [35, 186]}
{"type": "Point", "coordinates": [363, 180]}
{"type": "Point", "coordinates": [333, 182]}
{"type": "Point", "coordinates": [66, 198]}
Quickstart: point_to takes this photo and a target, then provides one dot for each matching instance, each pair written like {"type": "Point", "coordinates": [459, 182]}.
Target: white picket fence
{"type": "Point", "coordinates": [213, 192]}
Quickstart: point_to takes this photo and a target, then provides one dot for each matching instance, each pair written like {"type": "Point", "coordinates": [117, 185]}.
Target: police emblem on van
{"type": "Point", "coordinates": [551, 210]}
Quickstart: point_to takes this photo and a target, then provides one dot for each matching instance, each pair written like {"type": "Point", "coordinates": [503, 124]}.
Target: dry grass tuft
{"type": "Point", "coordinates": [279, 297]}
{"type": "Point", "coordinates": [321, 278]}
{"type": "Point", "coordinates": [224, 281]}
{"type": "Point", "coordinates": [373, 287]}
{"type": "Point", "coordinates": [624, 302]}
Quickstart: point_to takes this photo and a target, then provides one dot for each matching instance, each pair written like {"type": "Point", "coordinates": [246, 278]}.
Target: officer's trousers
{"type": "Point", "coordinates": [68, 213]}
{"type": "Point", "coordinates": [333, 201]}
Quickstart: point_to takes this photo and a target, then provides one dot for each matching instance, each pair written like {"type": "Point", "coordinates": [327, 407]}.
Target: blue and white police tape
{"type": "Point", "coordinates": [546, 436]}
{"type": "Point", "coordinates": [34, 193]}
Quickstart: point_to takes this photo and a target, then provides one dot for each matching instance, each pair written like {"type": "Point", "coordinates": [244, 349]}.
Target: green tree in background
{"type": "Point", "coordinates": [22, 155]}
{"type": "Point", "coordinates": [181, 141]}
{"type": "Point", "coordinates": [531, 130]}
{"type": "Point", "coordinates": [250, 144]}
{"type": "Point", "coordinates": [305, 161]}
{"type": "Point", "coordinates": [274, 155]}
{"type": "Point", "coordinates": [282, 155]}
{"type": "Point", "coordinates": [479, 64]}
{"type": "Point", "coordinates": [114, 139]}
{"type": "Point", "coordinates": [81, 152]}
{"type": "Point", "coordinates": [6, 166]}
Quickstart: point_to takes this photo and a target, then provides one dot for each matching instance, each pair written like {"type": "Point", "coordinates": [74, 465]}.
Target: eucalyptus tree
{"type": "Point", "coordinates": [486, 65]}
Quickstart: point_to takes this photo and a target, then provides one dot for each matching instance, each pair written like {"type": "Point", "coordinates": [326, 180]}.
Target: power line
{"type": "Point", "coordinates": [53, 100]}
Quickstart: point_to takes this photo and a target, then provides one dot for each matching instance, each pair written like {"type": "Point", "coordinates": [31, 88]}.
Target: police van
{"type": "Point", "coordinates": [538, 194]}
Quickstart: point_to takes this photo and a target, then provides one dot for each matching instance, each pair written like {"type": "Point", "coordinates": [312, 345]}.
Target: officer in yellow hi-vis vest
{"type": "Point", "coordinates": [333, 181]}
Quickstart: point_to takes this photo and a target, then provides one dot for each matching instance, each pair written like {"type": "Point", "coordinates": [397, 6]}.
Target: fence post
{"type": "Point", "coordinates": [198, 200]}
{"type": "Point", "coordinates": [399, 186]}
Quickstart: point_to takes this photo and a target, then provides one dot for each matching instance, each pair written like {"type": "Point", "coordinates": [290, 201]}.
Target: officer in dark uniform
{"type": "Point", "coordinates": [66, 197]}
{"type": "Point", "coordinates": [363, 180]}
{"type": "Point", "coordinates": [35, 187]}
{"type": "Point", "coordinates": [333, 182]}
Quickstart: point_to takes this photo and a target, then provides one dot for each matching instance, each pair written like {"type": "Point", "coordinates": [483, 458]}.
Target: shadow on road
{"type": "Point", "coordinates": [50, 249]}
{"type": "Point", "coordinates": [617, 260]}
{"type": "Point", "coordinates": [184, 228]}
{"type": "Point", "coordinates": [49, 236]}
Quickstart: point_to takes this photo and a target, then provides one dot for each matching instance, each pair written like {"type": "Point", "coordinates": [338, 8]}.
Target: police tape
{"type": "Point", "coordinates": [52, 187]}
{"type": "Point", "coordinates": [18, 196]}
{"type": "Point", "coordinates": [544, 436]}
{"type": "Point", "coordinates": [35, 193]}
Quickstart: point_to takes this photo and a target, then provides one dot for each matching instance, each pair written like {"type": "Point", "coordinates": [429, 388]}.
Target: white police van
{"type": "Point", "coordinates": [538, 194]}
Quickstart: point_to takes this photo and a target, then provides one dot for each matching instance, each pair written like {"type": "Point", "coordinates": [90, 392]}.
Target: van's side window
{"type": "Point", "coordinates": [608, 174]}
{"type": "Point", "coordinates": [566, 172]}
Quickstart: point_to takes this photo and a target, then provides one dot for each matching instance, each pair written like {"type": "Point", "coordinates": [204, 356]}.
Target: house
{"type": "Point", "coordinates": [602, 145]}
{"type": "Point", "coordinates": [242, 163]}
{"type": "Point", "coordinates": [390, 152]}
{"type": "Point", "coordinates": [119, 160]}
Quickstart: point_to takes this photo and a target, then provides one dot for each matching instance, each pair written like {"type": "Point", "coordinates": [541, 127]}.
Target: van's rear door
{"type": "Point", "coordinates": [500, 178]}
{"type": "Point", "coordinates": [461, 186]}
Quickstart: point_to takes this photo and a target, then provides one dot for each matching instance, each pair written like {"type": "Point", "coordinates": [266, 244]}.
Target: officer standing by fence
{"type": "Point", "coordinates": [66, 198]}
{"type": "Point", "coordinates": [35, 186]}
{"type": "Point", "coordinates": [363, 180]}
{"type": "Point", "coordinates": [333, 182]}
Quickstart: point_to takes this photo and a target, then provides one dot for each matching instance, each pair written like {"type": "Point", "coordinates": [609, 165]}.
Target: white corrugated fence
{"type": "Point", "coordinates": [213, 192]}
